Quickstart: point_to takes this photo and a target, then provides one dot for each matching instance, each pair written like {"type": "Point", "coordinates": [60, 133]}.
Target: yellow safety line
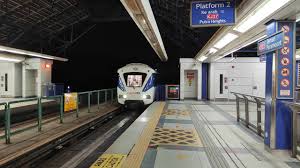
{"type": "Point", "coordinates": [136, 156]}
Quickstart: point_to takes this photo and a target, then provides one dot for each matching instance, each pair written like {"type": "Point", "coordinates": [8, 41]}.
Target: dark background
{"type": "Point", "coordinates": [96, 57]}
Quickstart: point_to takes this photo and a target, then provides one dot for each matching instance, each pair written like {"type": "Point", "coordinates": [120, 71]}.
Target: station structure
{"type": "Point", "coordinates": [227, 110]}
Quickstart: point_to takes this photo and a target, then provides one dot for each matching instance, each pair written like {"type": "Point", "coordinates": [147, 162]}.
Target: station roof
{"type": "Point", "coordinates": [51, 26]}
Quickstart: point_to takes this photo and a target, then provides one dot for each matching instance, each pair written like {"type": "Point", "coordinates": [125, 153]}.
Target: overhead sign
{"type": "Point", "coordinates": [286, 63]}
{"type": "Point", "coordinates": [271, 43]}
{"type": "Point", "coordinates": [212, 13]}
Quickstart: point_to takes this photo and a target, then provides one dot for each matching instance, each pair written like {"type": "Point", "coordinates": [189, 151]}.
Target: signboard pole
{"type": "Point", "coordinates": [280, 77]}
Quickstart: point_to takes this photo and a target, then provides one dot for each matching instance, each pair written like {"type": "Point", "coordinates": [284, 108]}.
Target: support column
{"type": "Point", "coordinates": [280, 76]}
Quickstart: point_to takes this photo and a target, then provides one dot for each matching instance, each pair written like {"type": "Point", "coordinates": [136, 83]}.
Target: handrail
{"type": "Point", "coordinates": [259, 102]}
{"type": "Point", "coordinates": [7, 108]}
{"type": "Point", "coordinates": [247, 95]}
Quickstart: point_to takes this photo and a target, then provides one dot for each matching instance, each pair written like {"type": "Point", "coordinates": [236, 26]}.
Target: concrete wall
{"type": "Point", "coordinates": [190, 64]}
{"type": "Point", "coordinates": [244, 75]}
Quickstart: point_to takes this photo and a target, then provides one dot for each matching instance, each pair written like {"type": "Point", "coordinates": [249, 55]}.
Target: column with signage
{"type": "Point", "coordinates": [279, 48]}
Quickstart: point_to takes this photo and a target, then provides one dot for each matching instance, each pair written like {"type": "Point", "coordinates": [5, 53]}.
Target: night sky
{"type": "Point", "coordinates": [96, 57]}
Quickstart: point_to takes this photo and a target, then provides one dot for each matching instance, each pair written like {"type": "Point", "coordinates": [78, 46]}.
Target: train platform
{"type": "Point", "coordinates": [29, 144]}
{"type": "Point", "coordinates": [191, 134]}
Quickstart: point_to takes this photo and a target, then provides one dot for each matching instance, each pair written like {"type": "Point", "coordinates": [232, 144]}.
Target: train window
{"type": "Point", "coordinates": [135, 79]}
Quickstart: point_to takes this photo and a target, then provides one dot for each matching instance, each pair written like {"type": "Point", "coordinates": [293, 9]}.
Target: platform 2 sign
{"type": "Point", "coordinates": [212, 13]}
{"type": "Point", "coordinates": [285, 62]}
{"type": "Point", "coordinates": [271, 43]}
{"type": "Point", "coordinates": [70, 102]}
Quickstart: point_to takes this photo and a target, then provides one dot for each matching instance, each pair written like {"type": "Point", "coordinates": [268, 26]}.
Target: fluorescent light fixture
{"type": "Point", "coordinates": [259, 14]}
{"type": "Point", "coordinates": [213, 50]}
{"type": "Point", "coordinates": [238, 48]}
{"type": "Point", "coordinates": [29, 53]}
{"type": "Point", "coordinates": [225, 40]}
{"type": "Point", "coordinates": [10, 59]}
{"type": "Point", "coordinates": [202, 58]}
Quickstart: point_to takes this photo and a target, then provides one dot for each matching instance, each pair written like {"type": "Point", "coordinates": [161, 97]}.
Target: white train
{"type": "Point", "coordinates": [136, 84]}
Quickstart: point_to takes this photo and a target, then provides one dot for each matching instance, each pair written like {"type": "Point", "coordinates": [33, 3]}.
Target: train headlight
{"type": "Point", "coordinates": [146, 97]}
{"type": "Point", "coordinates": [123, 96]}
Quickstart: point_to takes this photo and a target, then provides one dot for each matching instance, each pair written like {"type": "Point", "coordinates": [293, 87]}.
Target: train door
{"type": "Point", "coordinates": [190, 84]}
{"type": "Point", "coordinates": [3, 84]}
{"type": "Point", "coordinates": [221, 84]}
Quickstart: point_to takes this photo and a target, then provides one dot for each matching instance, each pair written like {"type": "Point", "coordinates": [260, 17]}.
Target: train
{"type": "Point", "coordinates": [136, 85]}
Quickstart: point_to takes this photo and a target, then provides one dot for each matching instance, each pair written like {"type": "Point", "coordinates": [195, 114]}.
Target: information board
{"type": "Point", "coordinates": [70, 103]}
{"type": "Point", "coordinates": [172, 91]}
{"type": "Point", "coordinates": [212, 13]}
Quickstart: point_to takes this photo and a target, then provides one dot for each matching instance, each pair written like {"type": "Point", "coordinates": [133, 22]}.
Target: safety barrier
{"type": "Point", "coordinates": [108, 93]}
{"type": "Point", "coordinates": [256, 123]}
{"type": "Point", "coordinates": [295, 135]}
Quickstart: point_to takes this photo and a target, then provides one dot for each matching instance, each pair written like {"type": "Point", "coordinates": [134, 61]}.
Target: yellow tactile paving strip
{"type": "Point", "coordinates": [136, 156]}
{"type": "Point", "coordinates": [177, 137]}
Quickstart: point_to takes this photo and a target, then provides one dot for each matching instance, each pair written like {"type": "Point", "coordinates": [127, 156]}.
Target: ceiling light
{"type": "Point", "coordinates": [213, 50]}
{"type": "Point", "coordinates": [238, 48]}
{"type": "Point", "coordinates": [262, 12]}
{"type": "Point", "coordinates": [225, 40]}
{"type": "Point", "coordinates": [298, 17]}
{"type": "Point", "coordinates": [29, 53]}
{"type": "Point", "coordinates": [202, 58]}
{"type": "Point", "coordinates": [10, 59]}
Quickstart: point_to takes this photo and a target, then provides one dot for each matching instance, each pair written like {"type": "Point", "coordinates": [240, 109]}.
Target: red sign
{"type": "Point", "coordinates": [213, 16]}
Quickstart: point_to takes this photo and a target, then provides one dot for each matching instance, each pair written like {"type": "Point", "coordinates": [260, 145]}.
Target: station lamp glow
{"type": "Point", "coordinates": [48, 66]}
{"type": "Point", "coordinates": [225, 40]}
{"type": "Point", "coordinates": [262, 12]}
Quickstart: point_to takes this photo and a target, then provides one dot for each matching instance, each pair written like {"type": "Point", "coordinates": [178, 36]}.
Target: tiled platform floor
{"type": "Point", "coordinates": [198, 134]}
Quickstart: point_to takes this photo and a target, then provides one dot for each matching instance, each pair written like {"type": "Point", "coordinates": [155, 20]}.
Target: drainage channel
{"type": "Point", "coordinates": [85, 149]}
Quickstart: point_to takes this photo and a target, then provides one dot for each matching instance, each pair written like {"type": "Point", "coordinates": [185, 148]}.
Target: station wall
{"type": "Point", "coordinates": [242, 75]}
{"type": "Point", "coordinates": [10, 79]}
{"type": "Point", "coordinates": [25, 79]}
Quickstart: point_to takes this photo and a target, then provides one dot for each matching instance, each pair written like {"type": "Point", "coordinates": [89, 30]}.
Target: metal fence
{"type": "Point", "coordinates": [93, 98]}
{"type": "Point", "coordinates": [250, 110]}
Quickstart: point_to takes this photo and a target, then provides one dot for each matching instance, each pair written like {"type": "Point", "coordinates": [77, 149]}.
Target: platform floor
{"type": "Point", "coordinates": [191, 134]}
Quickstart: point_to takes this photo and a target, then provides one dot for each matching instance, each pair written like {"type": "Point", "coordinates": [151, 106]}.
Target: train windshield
{"type": "Point", "coordinates": [135, 79]}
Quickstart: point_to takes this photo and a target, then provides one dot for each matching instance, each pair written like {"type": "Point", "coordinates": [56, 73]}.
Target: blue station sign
{"type": "Point", "coordinates": [212, 13]}
{"type": "Point", "coordinates": [271, 43]}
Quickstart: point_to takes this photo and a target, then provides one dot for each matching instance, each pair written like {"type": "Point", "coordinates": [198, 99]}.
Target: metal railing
{"type": "Point", "coordinates": [39, 102]}
{"type": "Point", "coordinates": [295, 134]}
{"type": "Point", "coordinates": [257, 123]}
